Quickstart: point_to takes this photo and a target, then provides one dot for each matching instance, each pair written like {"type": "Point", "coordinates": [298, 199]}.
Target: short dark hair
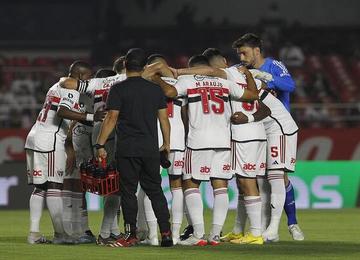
{"type": "Point", "coordinates": [104, 73]}
{"type": "Point", "coordinates": [210, 53]}
{"type": "Point", "coordinates": [198, 60]}
{"type": "Point", "coordinates": [135, 59]}
{"type": "Point", "coordinates": [248, 40]}
{"type": "Point", "coordinates": [78, 66]}
{"type": "Point", "coordinates": [118, 65]}
{"type": "Point", "coordinates": [151, 59]}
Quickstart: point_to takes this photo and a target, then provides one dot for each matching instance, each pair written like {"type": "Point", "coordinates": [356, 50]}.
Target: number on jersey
{"type": "Point", "coordinates": [213, 94]}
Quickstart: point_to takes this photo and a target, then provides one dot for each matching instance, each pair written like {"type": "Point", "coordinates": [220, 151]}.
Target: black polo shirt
{"type": "Point", "coordinates": [138, 102]}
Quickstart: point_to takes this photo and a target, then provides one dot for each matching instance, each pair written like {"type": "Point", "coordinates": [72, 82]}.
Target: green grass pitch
{"type": "Point", "coordinates": [330, 234]}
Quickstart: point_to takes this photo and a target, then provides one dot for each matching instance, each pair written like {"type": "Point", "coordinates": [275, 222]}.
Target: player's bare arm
{"type": "Point", "coordinates": [67, 113]}
{"type": "Point", "coordinates": [107, 127]}
{"type": "Point", "coordinates": [262, 112]}
{"type": "Point", "coordinates": [251, 92]}
{"type": "Point", "coordinates": [165, 129]}
{"type": "Point", "coordinates": [68, 83]}
{"type": "Point", "coordinates": [156, 68]}
{"type": "Point", "coordinates": [202, 70]}
{"type": "Point", "coordinates": [169, 90]}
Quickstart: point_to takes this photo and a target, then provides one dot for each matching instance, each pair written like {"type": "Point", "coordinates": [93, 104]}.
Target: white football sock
{"type": "Point", "coordinates": [76, 201]}
{"type": "Point", "coordinates": [241, 216]}
{"type": "Point", "coordinates": [55, 206]}
{"type": "Point", "coordinates": [115, 226]}
{"type": "Point", "coordinates": [37, 199]}
{"type": "Point", "coordinates": [67, 211]}
{"type": "Point", "coordinates": [277, 198]}
{"type": "Point", "coordinates": [84, 216]}
{"type": "Point", "coordinates": [186, 213]}
{"type": "Point", "coordinates": [220, 209]}
{"type": "Point", "coordinates": [111, 204]}
{"type": "Point", "coordinates": [264, 189]}
{"type": "Point", "coordinates": [150, 217]}
{"type": "Point", "coordinates": [195, 208]}
{"type": "Point", "coordinates": [177, 211]}
{"type": "Point", "coordinates": [141, 220]}
{"type": "Point", "coordinates": [253, 210]}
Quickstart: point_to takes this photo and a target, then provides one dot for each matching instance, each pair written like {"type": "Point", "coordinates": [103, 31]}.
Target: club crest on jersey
{"type": "Point", "coordinates": [293, 161]}
{"type": "Point", "coordinates": [60, 173]}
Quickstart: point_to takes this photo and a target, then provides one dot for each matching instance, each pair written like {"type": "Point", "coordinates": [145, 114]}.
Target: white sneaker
{"type": "Point", "coordinates": [36, 238]}
{"type": "Point", "coordinates": [154, 241]}
{"type": "Point", "coordinates": [270, 237]}
{"type": "Point", "coordinates": [296, 232]}
{"type": "Point", "coordinates": [175, 240]}
{"type": "Point", "coordinates": [193, 241]}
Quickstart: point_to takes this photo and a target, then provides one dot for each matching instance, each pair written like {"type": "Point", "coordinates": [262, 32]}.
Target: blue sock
{"type": "Point", "coordinates": [290, 207]}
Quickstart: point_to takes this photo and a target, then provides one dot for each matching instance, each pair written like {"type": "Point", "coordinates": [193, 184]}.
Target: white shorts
{"type": "Point", "coordinates": [43, 167]}
{"type": "Point", "coordinates": [109, 145]}
{"type": "Point", "coordinates": [281, 152]}
{"type": "Point", "coordinates": [205, 164]}
{"type": "Point", "coordinates": [248, 159]}
{"type": "Point", "coordinates": [82, 143]}
{"type": "Point", "coordinates": [177, 163]}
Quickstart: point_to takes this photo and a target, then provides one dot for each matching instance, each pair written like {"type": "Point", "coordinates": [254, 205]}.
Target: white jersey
{"type": "Point", "coordinates": [49, 128]}
{"type": "Point", "coordinates": [177, 132]}
{"type": "Point", "coordinates": [209, 109]}
{"type": "Point", "coordinates": [280, 122]}
{"type": "Point", "coordinates": [250, 131]}
{"type": "Point", "coordinates": [99, 88]}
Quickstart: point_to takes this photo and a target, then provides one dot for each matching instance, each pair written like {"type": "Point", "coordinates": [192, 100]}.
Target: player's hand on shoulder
{"type": "Point", "coordinates": [239, 118]}
{"type": "Point", "coordinates": [243, 70]}
{"type": "Point", "coordinates": [99, 115]}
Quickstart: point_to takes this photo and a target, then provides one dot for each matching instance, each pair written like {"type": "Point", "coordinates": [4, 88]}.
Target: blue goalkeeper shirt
{"type": "Point", "coordinates": [282, 82]}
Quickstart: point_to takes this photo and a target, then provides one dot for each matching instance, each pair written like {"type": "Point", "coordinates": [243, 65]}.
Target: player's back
{"type": "Point", "coordinates": [209, 111]}
{"type": "Point", "coordinates": [280, 121]}
{"type": "Point", "coordinates": [48, 127]}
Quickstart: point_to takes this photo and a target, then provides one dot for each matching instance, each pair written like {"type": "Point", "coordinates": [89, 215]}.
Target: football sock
{"type": "Point", "coordinates": [277, 199]}
{"type": "Point", "coordinates": [186, 213]}
{"type": "Point", "coordinates": [37, 199]}
{"type": "Point", "coordinates": [115, 226]}
{"type": "Point", "coordinates": [195, 209]}
{"type": "Point", "coordinates": [76, 201]}
{"type": "Point", "coordinates": [55, 206]}
{"type": "Point", "coordinates": [221, 205]}
{"type": "Point", "coordinates": [141, 221]}
{"type": "Point", "coordinates": [84, 215]}
{"type": "Point", "coordinates": [177, 210]}
{"type": "Point", "coordinates": [264, 189]}
{"type": "Point", "coordinates": [253, 210]}
{"type": "Point", "coordinates": [111, 204]}
{"type": "Point", "coordinates": [150, 217]}
{"type": "Point", "coordinates": [290, 206]}
{"type": "Point", "coordinates": [241, 216]}
{"type": "Point", "coordinates": [67, 211]}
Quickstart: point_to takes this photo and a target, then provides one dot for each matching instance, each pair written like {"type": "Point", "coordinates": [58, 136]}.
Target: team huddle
{"type": "Point", "coordinates": [226, 122]}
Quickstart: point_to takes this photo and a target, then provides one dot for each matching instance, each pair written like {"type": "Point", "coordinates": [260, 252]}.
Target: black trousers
{"type": "Point", "coordinates": [145, 170]}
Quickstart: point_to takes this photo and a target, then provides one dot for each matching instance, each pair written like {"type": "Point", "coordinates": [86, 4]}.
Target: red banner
{"type": "Point", "coordinates": [313, 144]}
{"type": "Point", "coordinates": [329, 144]}
{"type": "Point", "coordinates": [12, 143]}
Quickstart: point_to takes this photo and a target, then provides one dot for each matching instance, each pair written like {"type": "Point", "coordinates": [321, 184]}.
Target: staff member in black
{"type": "Point", "coordinates": [135, 104]}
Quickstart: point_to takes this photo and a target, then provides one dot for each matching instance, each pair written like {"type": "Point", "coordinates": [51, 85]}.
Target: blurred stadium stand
{"type": "Point", "coordinates": [324, 60]}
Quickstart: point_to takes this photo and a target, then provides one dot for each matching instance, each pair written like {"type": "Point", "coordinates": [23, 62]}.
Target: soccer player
{"type": "Point", "coordinates": [46, 155]}
{"type": "Point", "coordinates": [281, 131]}
{"type": "Point", "coordinates": [207, 154]}
{"type": "Point", "coordinates": [248, 151]}
{"type": "Point", "coordinates": [278, 79]}
{"type": "Point", "coordinates": [98, 88]}
{"type": "Point", "coordinates": [176, 109]}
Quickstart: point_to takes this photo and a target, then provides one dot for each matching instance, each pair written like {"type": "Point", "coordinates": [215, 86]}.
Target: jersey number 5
{"type": "Point", "coordinates": [215, 95]}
